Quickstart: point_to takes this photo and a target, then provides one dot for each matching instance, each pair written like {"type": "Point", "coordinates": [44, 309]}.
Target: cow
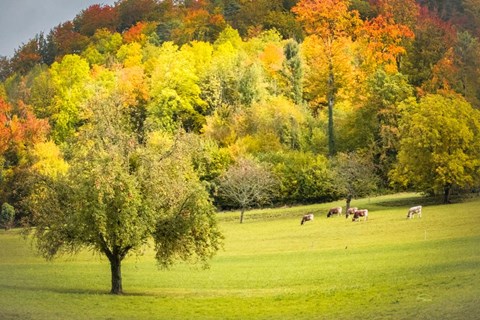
{"type": "Point", "coordinates": [350, 211]}
{"type": "Point", "coordinates": [360, 213]}
{"type": "Point", "coordinates": [413, 211]}
{"type": "Point", "coordinates": [332, 211]}
{"type": "Point", "coordinates": [307, 217]}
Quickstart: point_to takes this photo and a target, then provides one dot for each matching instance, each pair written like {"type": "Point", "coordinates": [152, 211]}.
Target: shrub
{"type": "Point", "coordinates": [7, 216]}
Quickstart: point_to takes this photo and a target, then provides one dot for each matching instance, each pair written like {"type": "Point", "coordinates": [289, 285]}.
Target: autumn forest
{"type": "Point", "coordinates": [152, 105]}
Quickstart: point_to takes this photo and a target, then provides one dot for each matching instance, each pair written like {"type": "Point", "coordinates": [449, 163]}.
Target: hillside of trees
{"type": "Point", "coordinates": [333, 99]}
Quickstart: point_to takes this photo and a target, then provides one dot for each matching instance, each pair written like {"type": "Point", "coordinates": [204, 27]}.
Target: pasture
{"type": "Point", "coordinates": [273, 268]}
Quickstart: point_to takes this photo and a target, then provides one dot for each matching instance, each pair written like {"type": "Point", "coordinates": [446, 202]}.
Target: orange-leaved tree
{"type": "Point", "coordinates": [20, 130]}
{"type": "Point", "coordinates": [330, 21]}
{"type": "Point", "coordinates": [385, 39]}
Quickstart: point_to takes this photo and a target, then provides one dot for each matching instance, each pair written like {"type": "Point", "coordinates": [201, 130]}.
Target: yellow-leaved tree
{"type": "Point", "coordinates": [439, 145]}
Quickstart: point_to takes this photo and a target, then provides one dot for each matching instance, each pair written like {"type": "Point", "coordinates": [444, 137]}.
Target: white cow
{"type": "Point", "coordinates": [414, 210]}
{"type": "Point", "coordinates": [307, 217]}
{"type": "Point", "coordinates": [350, 211]}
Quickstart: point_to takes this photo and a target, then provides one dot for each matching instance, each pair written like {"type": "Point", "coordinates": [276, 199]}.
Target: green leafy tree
{"type": "Point", "coordinates": [439, 145]}
{"type": "Point", "coordinates": [472, 10]}
{"type": "Point", "coordinates": [354, 176]}
{"type": "Point", "coordinates": [293, 71]}
{"type": "Point", "coordinates": [375, 125]}
{"type": "Point", "coordinates": [118, 194]}
{"type": "Point", "coordinates": [41, 93]}
{"type": "Point", "coordinates": [303, 177]}
{"type": "Point", "coordinates": [284, 22]}
{"type": "Point", "coordinates": [103, 47]}
{"type": "Point", "coordinates": [236, 75]}
{"type": "Point", "coordinates": [5, 68]}
{"type": "Point", "coordinates": [7, 216]}
{"type": "Point", "coordinates": [468, 60]}
{"type": "Point", "coordinates": [277, 118]}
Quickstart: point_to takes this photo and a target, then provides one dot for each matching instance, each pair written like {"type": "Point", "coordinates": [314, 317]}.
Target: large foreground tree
{"type": "Point", "coordinates": [439, 145]}
{"type": "Point", "coordinates": [120, 194]}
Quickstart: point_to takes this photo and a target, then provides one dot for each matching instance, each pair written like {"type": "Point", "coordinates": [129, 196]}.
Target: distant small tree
{"type": "Point", "coordinates": [354, 176]}
{"type": "Point", "coordinates": [245, 184]}
{"type": "Point", "coordinates": [7, 216]}
{"type": "Point", "coordinates": [293, 71]}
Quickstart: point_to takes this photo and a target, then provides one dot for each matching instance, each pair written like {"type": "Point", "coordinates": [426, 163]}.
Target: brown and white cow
{"type": "Point", "coordinates": [307, 217]}
{"type": "Point", "coordinates": [350, 211]}
{"type": "Point", "coordinates": [360, 213]}
{"type": "Point", "coordinates": [413, 211]}
{"type": "Point", "coordinates": [336, 210]}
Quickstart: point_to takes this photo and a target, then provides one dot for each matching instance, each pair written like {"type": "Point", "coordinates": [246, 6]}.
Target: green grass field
{"type": "Point", "coordinates": [273, 268]}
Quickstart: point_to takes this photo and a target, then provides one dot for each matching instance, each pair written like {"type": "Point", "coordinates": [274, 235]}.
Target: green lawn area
{"type": "Point", "coordinates": [273, 268]}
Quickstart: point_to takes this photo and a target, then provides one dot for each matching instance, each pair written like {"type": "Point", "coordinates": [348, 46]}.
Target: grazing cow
{"type": "Point", "coordinates": [307, 217]}
{"type": "Point", "coordinates": [360, 213]}
{"type": "Point", "coordinates": [413, 211]}
{"type": "Point", "coordinates": [332, 211]}
{"type": "Point", "coordinates": [350, 211]}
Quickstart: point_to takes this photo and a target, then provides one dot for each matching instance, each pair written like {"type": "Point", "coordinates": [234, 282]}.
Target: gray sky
{"type": "Point", "coordinates": [21, 20]}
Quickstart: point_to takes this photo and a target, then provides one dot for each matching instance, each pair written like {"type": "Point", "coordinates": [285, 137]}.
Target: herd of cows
{"type": "Point", "coordinates": [359, 213]}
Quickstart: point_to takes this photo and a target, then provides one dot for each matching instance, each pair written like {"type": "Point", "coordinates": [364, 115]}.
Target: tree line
{"type": "Point", "coordinates": [136, 120]}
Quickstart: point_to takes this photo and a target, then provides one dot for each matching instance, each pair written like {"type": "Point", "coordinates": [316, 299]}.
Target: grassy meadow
{"type": "Point", "coordinates": [273, 268]}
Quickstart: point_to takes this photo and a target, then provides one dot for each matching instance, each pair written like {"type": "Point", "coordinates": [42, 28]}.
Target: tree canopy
{"type": "Point", "coordinates": [245, 184]}
{"type": "Point", "coordinates": [118, 194]}
{"type": "Point", "coordinates": [439, 148]}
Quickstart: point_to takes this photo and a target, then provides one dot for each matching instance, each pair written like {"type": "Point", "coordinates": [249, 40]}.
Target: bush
{"type": "Point", "coordinates": [304, 177]}
{"type": "Point", "coordinates": [7, 216]}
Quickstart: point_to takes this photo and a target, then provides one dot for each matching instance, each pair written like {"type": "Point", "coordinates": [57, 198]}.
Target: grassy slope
{"type": "Point", "coordinates": [273, 268]}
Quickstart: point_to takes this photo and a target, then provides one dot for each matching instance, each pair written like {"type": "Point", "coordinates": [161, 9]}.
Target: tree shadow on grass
{"type": "Point", "coordinates": [74, 291]}
{"type": "Point", "coordinates": [410, 202]}
{"type": "Point", "coordinates": [427, 200]}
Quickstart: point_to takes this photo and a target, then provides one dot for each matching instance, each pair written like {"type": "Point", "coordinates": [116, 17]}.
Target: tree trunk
{"type": "Point", "coordinates": [116, 269]}
{"type": "Point", "coordinates": [115, 255]}
{"type": "Point", "coordinates": [331, 103]}
{"type": "Point", "coordinates": [446, 193]}
{"type": "Point", "coordinates": [241, 215]}
{"type": "Point", "coordinates": [349, 200]}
